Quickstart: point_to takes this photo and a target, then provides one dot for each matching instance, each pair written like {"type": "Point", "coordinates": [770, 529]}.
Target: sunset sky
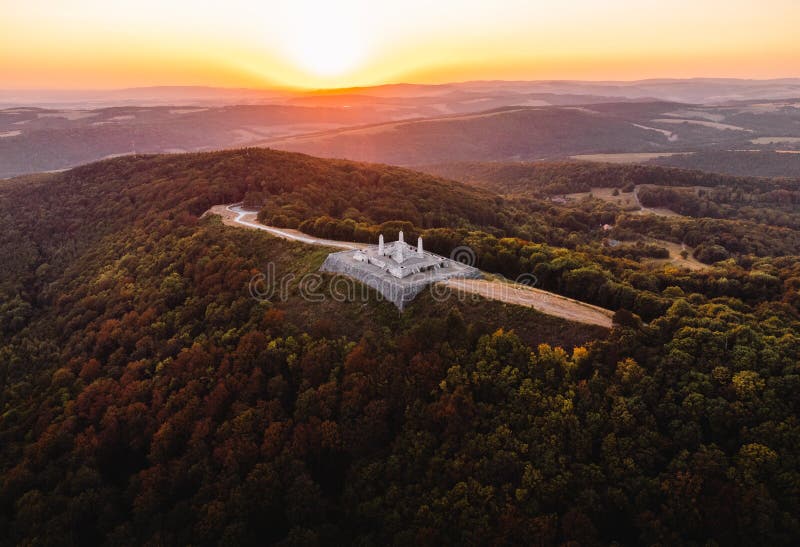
{"type": "Point", "coordinates": [93, 44]}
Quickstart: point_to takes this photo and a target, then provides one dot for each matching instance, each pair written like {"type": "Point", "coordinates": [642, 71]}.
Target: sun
{"type": "Point", "coordinates": [324, 39]}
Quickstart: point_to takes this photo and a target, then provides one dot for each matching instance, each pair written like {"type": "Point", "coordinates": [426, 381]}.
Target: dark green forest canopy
{"type": "Point", "coordinates": [740, 162]}
{"type": "Point", "coordinates": [147, 398]}
{"type": "Point", "coordinates": [743, 215]}
{"type": "Point", "coordinates": [563, 177]}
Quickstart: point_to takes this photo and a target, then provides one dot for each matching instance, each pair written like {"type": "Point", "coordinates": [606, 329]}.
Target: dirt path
{"type": "Point", "coordinates": [510, 293]}
{"type": "Point", "coordinates": [234, 215]}
{"type": "Point", "coordinates": [543, 301]}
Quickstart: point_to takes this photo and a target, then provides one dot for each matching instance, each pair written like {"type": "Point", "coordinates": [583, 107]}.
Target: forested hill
{"type": "Point", "coordinates": [500, 134]}
{"type": "Point", "coordinates": [147, 398]}
{"type": "Point", "coordinates": [764, 163]}
{"type": "Point", "coordinates": [561, 177]}
{"type": "Point", "coordinates": [85, 203]}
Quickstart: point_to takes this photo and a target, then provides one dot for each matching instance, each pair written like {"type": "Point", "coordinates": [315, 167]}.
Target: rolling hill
{"type": "Point", "coordinates": [39, 139]}
{"type": "Point", "coordinates": [548, 132]}
{"type": "Point", "coordinates": [510, 133]}
{"type": "Point", "coordinates": [413, 124]}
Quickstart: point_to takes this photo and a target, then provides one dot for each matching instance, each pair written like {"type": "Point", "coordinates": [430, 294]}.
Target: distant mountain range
{"type": "Point", "coordinates": [695, 90]}
{"type": "Point", "coordinates": [412, 124]}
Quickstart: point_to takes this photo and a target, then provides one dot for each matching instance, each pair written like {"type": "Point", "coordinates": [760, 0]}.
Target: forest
{"type": "Point", "coordinates": [148, 398]}
{"type": "Point", "coordinates": [740, 215]}
{"type": "Point", "coordinates": [547, 178]}
{"type": "Point", "coordinates": [760, 163]}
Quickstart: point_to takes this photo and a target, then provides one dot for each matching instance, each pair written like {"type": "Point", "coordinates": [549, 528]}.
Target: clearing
{"type": "Point", "coordinates": [675, 258]}
{"type": "Point", "coordinates": [669, 134]}
{"type": "Point", "coordinates": [775, 140]}
{"type": "Point", "coordinates": [704, 123]}
{"type": "Point", "coordinates": [697, 114]}
{"type": "Point", "coordinates": [661, 211]}
{"type": "Point", "coordinates": [625, 201]}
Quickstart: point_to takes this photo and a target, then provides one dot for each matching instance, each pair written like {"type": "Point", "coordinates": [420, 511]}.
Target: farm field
{"type": "Point", "coordinates": [626, 157]}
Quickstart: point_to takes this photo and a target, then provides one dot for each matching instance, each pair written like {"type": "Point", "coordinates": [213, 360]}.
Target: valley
{"type": "Point", "coordinates": [415, 125]}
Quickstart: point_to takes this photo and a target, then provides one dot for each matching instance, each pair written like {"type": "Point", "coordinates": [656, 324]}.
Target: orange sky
{"type": "Point", "coordinates": [306, 43]}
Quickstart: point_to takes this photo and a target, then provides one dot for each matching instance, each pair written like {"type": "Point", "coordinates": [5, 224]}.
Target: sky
{"type": "Point", "coordinates": [94, 44]}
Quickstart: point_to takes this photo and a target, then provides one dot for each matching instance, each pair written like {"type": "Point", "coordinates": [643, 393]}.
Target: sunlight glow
{"type": "Point", "coordinates": [344, 43]}
{"type": "Point", "coordinates": [326, 39]}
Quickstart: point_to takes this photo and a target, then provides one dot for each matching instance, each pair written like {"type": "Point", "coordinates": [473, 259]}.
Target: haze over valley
{"type": "Point", "coordinates": [420, 124]}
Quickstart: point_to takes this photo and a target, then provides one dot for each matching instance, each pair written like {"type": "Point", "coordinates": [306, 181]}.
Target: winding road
{"type": "Point", "coordinates": [234, 215]}
{"type": "Point", "coordinates": [510, 293]}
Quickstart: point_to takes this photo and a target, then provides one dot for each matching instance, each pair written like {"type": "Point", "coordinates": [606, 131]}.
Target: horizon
{"type": "Point", "coordinates": [352, 44]}
{"type": "Point", "coordinates": [312, 90]}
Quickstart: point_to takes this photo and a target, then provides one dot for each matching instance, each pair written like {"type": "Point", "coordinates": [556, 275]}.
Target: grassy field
{"type": "Point", "coordinates": [675, 257]}
{"type": "Point", "coordinates": [626, 157]}
{"type": "Point", "coordinates": [704, 123]}
{"type": "Point", "coordinates": [775, 140]}
{"type": "Point", "coordinates": [625, 200]}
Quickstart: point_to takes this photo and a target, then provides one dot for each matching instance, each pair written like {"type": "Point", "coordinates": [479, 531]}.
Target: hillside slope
{"type": "Point", "coordinates": [148, 398]}
{"type": "Point", "coordinates": [562, 177]}
{"type": "Point", "coordinates": [554, 132]}
{"type": "Point", "coordinates": [510, 133]}
{"type": "Point", "coordinates": [42, 139]}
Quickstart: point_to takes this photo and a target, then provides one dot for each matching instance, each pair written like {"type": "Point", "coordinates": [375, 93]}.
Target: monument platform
{"type": "Point", "coordinates": [398, 271]}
